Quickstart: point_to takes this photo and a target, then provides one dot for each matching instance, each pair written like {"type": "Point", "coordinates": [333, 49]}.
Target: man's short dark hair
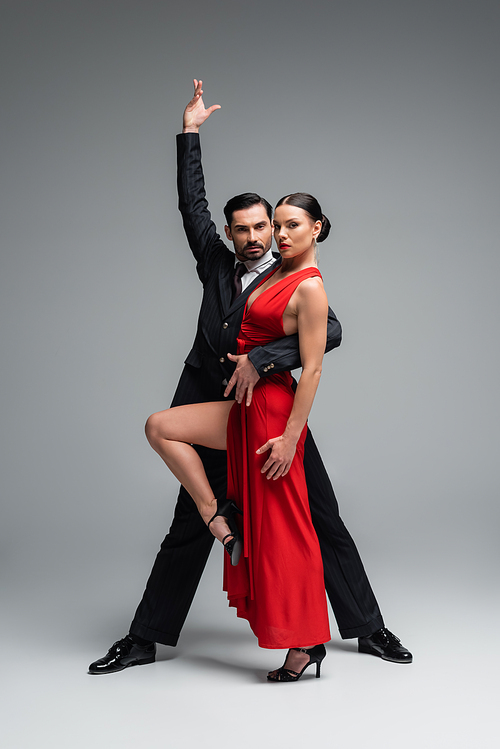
{"type": "Point", "coordinates": [245, 200]}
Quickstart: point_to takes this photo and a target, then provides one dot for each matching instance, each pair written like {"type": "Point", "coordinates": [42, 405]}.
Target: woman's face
{"type": "Point", "coordinates": [294, 230]}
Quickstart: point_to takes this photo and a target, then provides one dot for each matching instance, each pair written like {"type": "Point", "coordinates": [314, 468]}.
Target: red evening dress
{"type": "Point", "coordinates": [278, 585]}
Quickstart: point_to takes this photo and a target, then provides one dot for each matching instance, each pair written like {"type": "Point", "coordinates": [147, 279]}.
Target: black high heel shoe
{"type": "Point", "coordinates": [316, 655]}
{"type": "Point", "coordinates": [234, 547]}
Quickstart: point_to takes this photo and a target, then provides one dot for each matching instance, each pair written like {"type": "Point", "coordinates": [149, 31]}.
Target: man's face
{"type": "Point", "coordinates": [250, 232]}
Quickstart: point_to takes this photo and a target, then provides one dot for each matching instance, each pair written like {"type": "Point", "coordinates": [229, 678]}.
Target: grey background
{"type": "Point", "coordinates": [388, 112]}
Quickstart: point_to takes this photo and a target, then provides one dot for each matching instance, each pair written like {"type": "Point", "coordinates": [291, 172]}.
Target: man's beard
{"type": "Point", "coordinates": [248, 247]}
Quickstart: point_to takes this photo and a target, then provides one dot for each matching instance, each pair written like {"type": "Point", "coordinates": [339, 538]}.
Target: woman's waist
{"type": "Point", "coordinates": [245, 345]}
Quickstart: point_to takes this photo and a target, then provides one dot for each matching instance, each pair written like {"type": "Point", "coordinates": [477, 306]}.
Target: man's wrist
{"type": "Point", "coordinates": [190, 129]}
{"type": "Point", "coordinates": [258, 366]}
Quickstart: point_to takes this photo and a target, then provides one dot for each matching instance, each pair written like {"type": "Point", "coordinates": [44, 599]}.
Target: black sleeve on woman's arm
{"type": "Point", "coordinates": [283, 354]}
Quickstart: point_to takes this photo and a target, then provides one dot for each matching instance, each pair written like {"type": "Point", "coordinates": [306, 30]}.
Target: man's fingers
{"type": "Point", "coordinates": [249, 394]}
{"type": "Point", "coordinates": [240, 391]}
{"type": "Point", "coordinates": [213, 108]}
{"type": "Point", "coordinates": [230, 386]}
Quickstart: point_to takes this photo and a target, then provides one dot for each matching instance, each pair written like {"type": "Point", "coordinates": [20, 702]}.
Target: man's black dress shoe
{"type": "Point", "coordinates": [386, 645]}
{"type": "Point", "coordinates": [122, 654]}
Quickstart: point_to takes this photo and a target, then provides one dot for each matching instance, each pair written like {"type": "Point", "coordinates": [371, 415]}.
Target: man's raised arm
{"type": "Point", "coordinates": [200, 229]}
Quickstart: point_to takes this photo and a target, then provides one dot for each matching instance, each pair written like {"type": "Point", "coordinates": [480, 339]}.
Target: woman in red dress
{"type": "Point", "coordinates": [277, 584]}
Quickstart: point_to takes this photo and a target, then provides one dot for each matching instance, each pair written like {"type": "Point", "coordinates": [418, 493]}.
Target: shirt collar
{"type": "Point", "coordinates": [255, 265]}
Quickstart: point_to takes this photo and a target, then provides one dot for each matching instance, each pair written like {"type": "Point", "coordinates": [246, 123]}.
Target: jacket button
{"type": "Point", "coordinates": [265, 369]}
{"type": "Point", "coordinates": [222, 360]}
{"type": "Point", "coordinates": [225, 325]}
{"type": "Point", "coordinates": [271, 366]}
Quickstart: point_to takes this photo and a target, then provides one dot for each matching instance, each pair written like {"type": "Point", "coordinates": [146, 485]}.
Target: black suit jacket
{"type": "Point", "coordinates": [219, 321]}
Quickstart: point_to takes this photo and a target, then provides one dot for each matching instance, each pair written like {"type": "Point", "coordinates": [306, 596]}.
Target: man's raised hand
{"type": "Point", "coordinates": [195, 113]}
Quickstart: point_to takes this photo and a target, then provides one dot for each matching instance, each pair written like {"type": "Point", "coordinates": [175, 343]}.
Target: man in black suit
{"type": "Point", "coordinates": [210, 374]}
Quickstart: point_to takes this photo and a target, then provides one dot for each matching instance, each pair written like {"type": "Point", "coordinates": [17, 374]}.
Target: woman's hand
{"type": "Point", "coordinates": [195, 113]}
{"type": "Point", "coordinates": [282, 454]}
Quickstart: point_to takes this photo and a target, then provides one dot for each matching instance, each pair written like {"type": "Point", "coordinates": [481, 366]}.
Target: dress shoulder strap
{"type": "Point", "coordinates": [285, 288]}
{"type": "Point", "coordinates": [296, 278]}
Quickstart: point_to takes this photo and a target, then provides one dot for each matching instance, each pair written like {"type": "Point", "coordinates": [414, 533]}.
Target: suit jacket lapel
{"type": "Point", "coordinates": [241, 300]}
{"type": "Point", "coordinates": [226, 287]}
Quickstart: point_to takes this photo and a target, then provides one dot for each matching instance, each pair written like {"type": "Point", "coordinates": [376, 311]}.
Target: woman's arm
{"type": "Point", "coordinates": [280, 355]}
{"type": "Point", "coordinates": [283, 353]}
{"type": "Point", "coordinates": [311, 307]}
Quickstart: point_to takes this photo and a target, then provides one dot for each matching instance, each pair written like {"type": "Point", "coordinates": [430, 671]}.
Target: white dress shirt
{"type": "Point", "coordinates": [255, 268]}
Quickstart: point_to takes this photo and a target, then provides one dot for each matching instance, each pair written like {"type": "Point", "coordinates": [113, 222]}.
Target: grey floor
{"type": "Point", "coordinates": [211, 691]}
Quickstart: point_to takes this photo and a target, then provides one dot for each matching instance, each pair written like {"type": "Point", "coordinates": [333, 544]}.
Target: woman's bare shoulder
{"type": "Point", "coordinates": [309, 295]}
{"type": "Point", "coordinates": [311, 289]}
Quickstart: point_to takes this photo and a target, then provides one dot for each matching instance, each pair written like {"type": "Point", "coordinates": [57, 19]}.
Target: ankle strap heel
{"type": "Point", "coordinates": [316, 655]}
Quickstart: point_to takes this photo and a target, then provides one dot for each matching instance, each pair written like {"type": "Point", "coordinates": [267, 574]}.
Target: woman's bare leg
{"type": "Point", "coordinates": [172, 433]}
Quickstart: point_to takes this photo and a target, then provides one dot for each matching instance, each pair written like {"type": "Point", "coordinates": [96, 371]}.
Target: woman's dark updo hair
{"type": "Point", "coordinates": [310, 205]}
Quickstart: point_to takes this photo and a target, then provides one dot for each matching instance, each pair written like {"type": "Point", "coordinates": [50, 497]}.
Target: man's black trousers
{"type": "Point", "coordinates": [184, 552]}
